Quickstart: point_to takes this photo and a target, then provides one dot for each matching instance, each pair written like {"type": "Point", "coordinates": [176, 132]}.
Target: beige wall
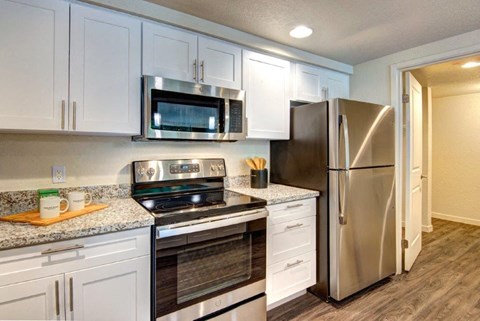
{"type": "Point", "coordinates": [371, 80]}
{"type": "Point", "coordinates": [456, 155]}
{"type": "Point", "coordinates": [26, 160]}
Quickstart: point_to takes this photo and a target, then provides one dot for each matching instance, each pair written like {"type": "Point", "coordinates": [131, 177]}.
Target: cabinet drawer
{"type": "Point", "coordinates": [290, 239]}
{"type": "Point", "coordinates": [285, 212]}
{"type": "Point", "coordinates": [59, 257]}
{"type": "Point", "coordinates": [290, 276]}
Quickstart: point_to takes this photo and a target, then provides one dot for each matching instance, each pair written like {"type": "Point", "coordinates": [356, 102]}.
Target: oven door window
{"type": "Point", "coordinates": [187, 113]}
{"type": "Point", "coordinates": [205, 269]}
{"type": "Point", "coordinates": [194, 267]}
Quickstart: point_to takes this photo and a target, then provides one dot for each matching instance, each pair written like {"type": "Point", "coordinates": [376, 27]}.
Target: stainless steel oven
{"type": "Point", "coordinates": [181, 110]}
{"type": "Point", "coordinates": [209, 244]}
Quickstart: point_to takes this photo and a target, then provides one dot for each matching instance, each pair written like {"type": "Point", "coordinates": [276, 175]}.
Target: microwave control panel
{"type": "Point", "coordinates": [236, 116]}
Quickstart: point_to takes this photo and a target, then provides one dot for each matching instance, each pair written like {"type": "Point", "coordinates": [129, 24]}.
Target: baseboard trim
{"type": "Point", "coordinates": [427, 228]}
{"type": "Point", "coordinates": [454, 218]}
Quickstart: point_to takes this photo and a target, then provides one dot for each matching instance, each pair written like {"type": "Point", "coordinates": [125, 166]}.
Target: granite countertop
{"type": "Point", "coordinates": [276, 193]}
{"type": "Point", "coordinates": [122, 214]}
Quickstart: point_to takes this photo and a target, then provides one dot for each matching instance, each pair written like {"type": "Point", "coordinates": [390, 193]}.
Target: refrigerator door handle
{"type": "Point", "coordinates": [344, 124]}
{"type": "Point", "coordinates": [342, 218]}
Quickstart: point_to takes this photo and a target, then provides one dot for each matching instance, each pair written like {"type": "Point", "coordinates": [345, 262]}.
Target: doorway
{"type": "Point", "coordinates": [396, 71]}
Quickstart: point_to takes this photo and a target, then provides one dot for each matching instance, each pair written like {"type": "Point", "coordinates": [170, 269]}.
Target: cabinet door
{"type": "Point", "coordinates": [266, 81]}
{"type": "Point", "coordinates": [290, 276]}
{"type": "Point", "coordinates": [169, 52]}
{"type": "Point", "coordinates": [105, 74]}
{"type": "Point", "coordinates": [337, 85]}
{"type": "Point", "coordinates": [33, 64]}
{"type": "Point", "coordinates": [310, 83]}
{"type": "Point", "coordinates": [220, 63]}
{"type": "Point", "coordinates": [118, 291]}
{"type": "Point", "coordinates": [40, 299]}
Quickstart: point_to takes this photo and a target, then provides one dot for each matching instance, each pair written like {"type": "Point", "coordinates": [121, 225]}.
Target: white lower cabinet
{"type": "Point", "coordinates": [118, 291]}
{"type": "Point", "coordinates": [40, 299]}
{"type": "Point", "coordinates": [290, 276]}
{"type": "Point", "coordinates": [105, 277]}
{"type": "Point", "coordinates": [291, 248]}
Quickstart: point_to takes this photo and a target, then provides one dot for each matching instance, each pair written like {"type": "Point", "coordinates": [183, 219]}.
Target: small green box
{"type": "Point", "coordinates": [47, 192]}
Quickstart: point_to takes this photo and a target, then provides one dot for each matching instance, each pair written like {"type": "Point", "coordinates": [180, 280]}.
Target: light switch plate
{"type": "Point", "coordinates": [58, 174]}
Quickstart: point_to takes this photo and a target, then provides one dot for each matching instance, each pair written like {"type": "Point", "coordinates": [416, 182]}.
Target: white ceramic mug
{"type": "Point", "coordinates": [77, 200]}
{"type": "Point", "coordinates": [50, 206]}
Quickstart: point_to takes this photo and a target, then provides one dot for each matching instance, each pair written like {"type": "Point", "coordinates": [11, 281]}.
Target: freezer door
{"type": "Point", "coordinates": [362, 228]}
{"type": "Point", "coordinates": [360, 134]}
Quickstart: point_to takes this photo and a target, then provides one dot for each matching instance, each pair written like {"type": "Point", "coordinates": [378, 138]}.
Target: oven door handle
{"type": "Point", "coordinates": [210, 223]}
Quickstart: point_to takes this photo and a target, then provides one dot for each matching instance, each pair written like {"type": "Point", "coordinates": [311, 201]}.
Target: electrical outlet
{"type": "Point", "coordinates": [58, 174]}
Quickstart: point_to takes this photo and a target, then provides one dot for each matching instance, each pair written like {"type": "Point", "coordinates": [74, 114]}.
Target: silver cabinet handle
{"type": "Point", "coordinates": [195, 70]}
{"type": "Point", "coordinates": [68, 248]}
{"type": "Point", "coordinates": [74, 126]}
{"type": "Point", "coordinates": [290, 265]}
{"type": "Point", "coordinates": [63, 114]}
{"type": "Point", "coordinates": [289, 227]}
{"type": "Point", "coordinates": [294, 206]}
{"type": "Point", "coordinates": [202, 65]}
{"type": "Point", "coordinates": [71, 294]}
{"type": "Point", "coordinates": [57, 298]}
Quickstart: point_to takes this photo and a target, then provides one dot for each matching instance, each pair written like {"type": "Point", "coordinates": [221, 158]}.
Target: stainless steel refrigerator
{"type": "Point", "coordinates": [346, 150]}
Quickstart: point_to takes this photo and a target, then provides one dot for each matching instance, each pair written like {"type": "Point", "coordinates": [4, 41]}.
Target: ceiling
{"type": "Point", "coordinates": [348, 31]}
{"type": "Point", "coordinates": [449, 79]}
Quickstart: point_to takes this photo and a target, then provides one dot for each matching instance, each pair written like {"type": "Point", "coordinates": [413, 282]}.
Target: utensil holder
{"type": "Point", "coordinates": [259, 178]}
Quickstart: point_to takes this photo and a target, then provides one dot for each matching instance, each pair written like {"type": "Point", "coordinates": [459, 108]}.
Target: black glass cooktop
{"type": "Point", "coordinates": [192, 206]}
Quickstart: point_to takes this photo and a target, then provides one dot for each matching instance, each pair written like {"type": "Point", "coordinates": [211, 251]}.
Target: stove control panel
{"type": "Point", "coordinates": [184, 168]}
{"type": "Point", "coordinates": [167, 170]}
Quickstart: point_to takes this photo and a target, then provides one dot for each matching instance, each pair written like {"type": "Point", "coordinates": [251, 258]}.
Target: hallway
{"type": "Point", "coordinates": [444, 284]}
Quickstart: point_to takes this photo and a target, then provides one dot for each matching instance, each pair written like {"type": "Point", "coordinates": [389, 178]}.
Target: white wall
{"type": "Point", "coordinates": [26, 160]}
{"type": "Point", "coordinates": [456, 151]}
{"type": "Point", "coordinates": [371, 80]}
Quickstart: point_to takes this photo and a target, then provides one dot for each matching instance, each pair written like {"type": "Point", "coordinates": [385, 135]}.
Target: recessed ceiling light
{"type": "Point", "coordinates": [471, 64]}
{"type": "Point", "coordinates": [301, 32]}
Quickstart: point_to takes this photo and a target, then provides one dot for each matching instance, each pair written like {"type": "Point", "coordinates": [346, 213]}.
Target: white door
{"type": "Point", "coordinates": [220, 63]}
{"type": "Point", "coordinates": [266, 82]}
{"type": "Point", "coordinates": [33, 64]}
{"type": "Point", "coordinates": [169, 53]}
{"type": "Point", "coordinates": [118, 291]}
{"type": "Point", "coordinates": [413, 171]}
{"type": "Point", "coordinates": [105, 72]}
{"type": "Point", "coordinates": [310, 83]}
{"type": "Point", "coordinates": [40, 299]}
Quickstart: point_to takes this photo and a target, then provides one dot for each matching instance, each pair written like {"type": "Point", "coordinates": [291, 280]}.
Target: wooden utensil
{"type": "Point", "coordinates": [251, 163]}
{"type": "Point", "coordinates": [263, 163]}
{"type": "Point", "coordinates": [257, 162]}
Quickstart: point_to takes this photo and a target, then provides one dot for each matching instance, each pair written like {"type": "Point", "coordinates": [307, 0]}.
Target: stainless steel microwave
{"type": "Point", "coordinates": [181, 110]}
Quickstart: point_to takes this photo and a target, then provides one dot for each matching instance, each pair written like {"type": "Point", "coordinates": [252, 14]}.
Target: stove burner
{"type": "Point", "coordinates": [170, 206]}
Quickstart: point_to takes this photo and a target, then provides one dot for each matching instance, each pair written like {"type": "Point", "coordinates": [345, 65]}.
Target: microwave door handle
{"type": "Point", "coordinates": [227, 116]}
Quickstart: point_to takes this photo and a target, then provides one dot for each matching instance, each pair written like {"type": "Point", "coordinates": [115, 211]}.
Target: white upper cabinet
{"type": "Point", "coordinates": [169, 52]}
{"type": "Point", "coordinates": [33, 64]}
{"type": "Point", "coordinates": [104, 72]}
{"type": "Point", "coordinates": [310, 83]}
{"type": "Point", "coordinates": [338, 85]}
{"type": "Point", "coordinates": [220, 63]}
{"type": "Point", "coordinates": [266, 82]}
{"type": "Point", "coordinates": [177, 54]}
{"type": "Point", "coordinates": [314, 84]}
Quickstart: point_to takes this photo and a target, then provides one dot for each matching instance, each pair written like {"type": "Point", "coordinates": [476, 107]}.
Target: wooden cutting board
{"type": "Point", "coordinates": [33, 217]}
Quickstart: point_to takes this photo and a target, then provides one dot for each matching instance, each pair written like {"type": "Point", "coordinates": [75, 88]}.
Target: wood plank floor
{"type": "Point", "coordinates": [444, 284]}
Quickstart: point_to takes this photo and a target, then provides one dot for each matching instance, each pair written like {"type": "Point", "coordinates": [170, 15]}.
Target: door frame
{"type": "Point", "coordinates": [396, 91]}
